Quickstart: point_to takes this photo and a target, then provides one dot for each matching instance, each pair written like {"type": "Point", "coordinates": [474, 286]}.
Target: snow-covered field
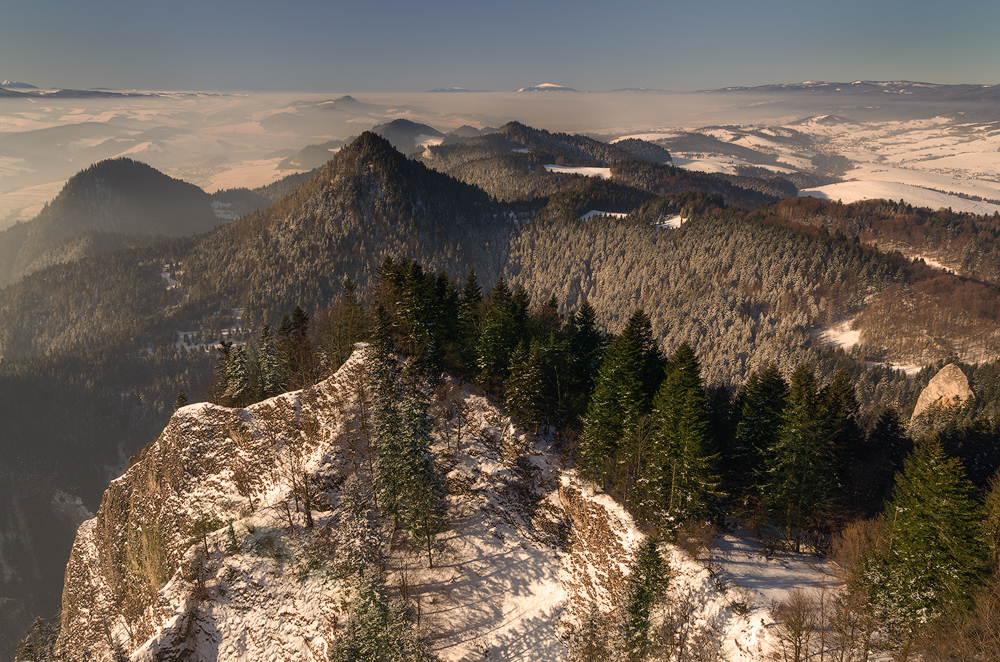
{"type": "Point", "coordinates": [586, 171]}
{"type": "Point", "coordinates": [852, 191]}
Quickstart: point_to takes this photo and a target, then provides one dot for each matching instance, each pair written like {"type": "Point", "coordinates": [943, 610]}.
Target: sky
{"type": "Point", "coordinates": [413, 46]}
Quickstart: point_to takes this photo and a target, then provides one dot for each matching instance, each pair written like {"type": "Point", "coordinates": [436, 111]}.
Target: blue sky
{"type": "Point", "coordinates": [395, 46]}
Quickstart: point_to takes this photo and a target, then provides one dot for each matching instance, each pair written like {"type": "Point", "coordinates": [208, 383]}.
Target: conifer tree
{"type": "Point", "coordinates": [376, 629]}
{"type": "Point", "coordinates": [421, 506]}
{"type": "Point", "coordinates": [762, 406]}
{"type": "Point", "coordinates": [499, 337]}
{"type": "Point", "coordinates": [644, 590]}
{"type": "Point", "coordinates": [181, 400]}
{"type": "Point", "coordinates": [680, 476]}
{"type": "Point", "coordinates": [359, 538]}
{"type": "Point", "coordinates": [272, 373]}
{"type": "Point", "coordinates": [586, 346]}
{"type": "Point", "coordinates": [933, 552]}
{"type": "Point", "coordinates": [801, 463]}
{"type": "Point", "coordinates": [238, 383]}
{"type": "Point", "coordinates": [523, 388]}
{"type": "Point", "coordinates": [615, 410]}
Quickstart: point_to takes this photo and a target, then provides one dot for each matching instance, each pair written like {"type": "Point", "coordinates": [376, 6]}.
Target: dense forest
{"type": "Point", "coordinates": [811, 459]}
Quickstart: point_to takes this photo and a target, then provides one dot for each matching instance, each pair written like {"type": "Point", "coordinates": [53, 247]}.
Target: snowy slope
{"type": "Point", "coordinates": [853, 191]}
{"type": "Point", "coordinates": [528, 550]}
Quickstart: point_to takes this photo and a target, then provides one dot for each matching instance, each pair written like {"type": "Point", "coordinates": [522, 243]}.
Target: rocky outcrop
{"type": "Point", "coordinates": [948, 388]}
{"type": "Point", "coordinates": [203, 549]}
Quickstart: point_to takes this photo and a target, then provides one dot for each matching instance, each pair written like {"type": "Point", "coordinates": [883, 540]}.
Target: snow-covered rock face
{"type": "Point", "coordinates": [947, 388]}
{"type": "Point", "coordinates": [200, 550]}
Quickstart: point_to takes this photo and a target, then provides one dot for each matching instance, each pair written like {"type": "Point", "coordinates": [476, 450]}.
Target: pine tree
{"type": "Point", "coordinates": [470, 316]}
{"type": "Point", "coordinates": [586, 347]}
{"type": "Point", "coordinates": [383, 371]}
{"type": "Point", "coordinates": [499, 337]}
{"type": "Point", "coordinates": [762, 406]}
{"type": "Point", "coordinates": [181, 400]}
{"type": "Point", "coordinates": [934, 552]}
{"type": "Point", "coordinates": [238, 383]}
{"type": "Point", "coordinates": [523, 388]}
{"type": "Point", "coordinates": [358, 534]}
{"type": "Point", "coordinates": [644, 590]}
{"type": "Point", "coordinates": [802, 462]}
{"type": "Point", "coordinates": [376, 629]}
{"type": "Point", "coordinates": [272, 372]}
{"type": "Point", "coordinates": [614, 412]}
{"type": "Point", "coordinates": [680, 476]}
{"type": "Point", "coordinates": [421, 502]}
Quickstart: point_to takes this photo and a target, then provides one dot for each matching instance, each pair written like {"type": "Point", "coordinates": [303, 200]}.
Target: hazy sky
{"type": "Point", "coordinates": [415, 45]}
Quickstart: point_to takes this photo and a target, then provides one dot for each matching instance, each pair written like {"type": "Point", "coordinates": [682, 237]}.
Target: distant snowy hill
{"type": "Point", "coordinates": [848, 192]}
{"type": "Point", "coordinates": [14, 85]}
{"type": "Point", "coordinates": [547, 87]}
{"type": "Point", "coordinates": [918, 90]}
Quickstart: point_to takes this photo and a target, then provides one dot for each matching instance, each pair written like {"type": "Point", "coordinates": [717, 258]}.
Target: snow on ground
{"type": "Point", "coordinates": [581, 170]}
{"type": "Point", "coordinates": [930, 262]}
{"type": "Point", "coordinates": [670, 222]}
{"type": "Point", "coordinates": [725, 165]}
{"type": "Point", "coordinates": [770, 577]}
{"type": "Point", "coordinates": [594, 212]}
{"type": "Point", "coordinates": [649, 137]}
{"type": "Point", "coordinates": [918, 197]}
{"type": "Point", "coordinates": [841, 335]}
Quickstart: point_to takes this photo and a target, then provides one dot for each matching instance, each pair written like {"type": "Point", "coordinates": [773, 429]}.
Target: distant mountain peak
{"type": "Point", "coordinates": [547, 87]}
{"type": "Point", "coordinates": [14, 85]}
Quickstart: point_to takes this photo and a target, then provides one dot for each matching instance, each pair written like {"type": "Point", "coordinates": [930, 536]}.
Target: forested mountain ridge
{"type": "Point", "coordinates": [368, 203]}
{"type": "Point", "coordinates": [108, 206]}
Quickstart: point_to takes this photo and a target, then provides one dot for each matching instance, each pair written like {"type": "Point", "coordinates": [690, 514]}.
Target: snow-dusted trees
{"type": "Point", "coordinates": [680, 476]}
{"type": "Point", "coordinates": [359, 537]}
{"type": "Point", "coordinates": [643, 592]}
{"type": "Point", "coordinates": [801, 462]}
{"type": "Point", "coordinates": [933, 552]}
{"type": "Point", "coordinates": [405, 479]}
{"type": "Point", "coordinates": [499, 337]}
{"type": "Point", "coordinates": [761, 405]}
{"type": "Point", "coordinates": [376, 629]}
{"type": "Point", "coordinates": [615, 409]}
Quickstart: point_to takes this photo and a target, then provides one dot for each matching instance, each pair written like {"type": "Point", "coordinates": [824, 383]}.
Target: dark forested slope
{"type": "Point", "coordinates": [110, 205]}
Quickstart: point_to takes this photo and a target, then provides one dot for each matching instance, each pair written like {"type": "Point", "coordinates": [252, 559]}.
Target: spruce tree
{"type": "Point", "coordinates": [181, 400]}
{"type": "Point", "coordinates": [272, 372]}
{"type": "Point", "coordinates": [614, 412]}
{"type": "Point", "coordinates": [498, 339]}
{"type": "Point", "coordinates": [421, 506]}
{"type": "Point", "coordinates": [933, 552]}
{"type": "Point", "coordinates": [586, 347]}
{"type": "Point", "coordinates": [523, 388]}
{"type": "Point", "coordinates": [762, 406]}
{"type": "Point", "coordinates": [643, 591]}
{"type": "Point", "coordinates": [802, 462]}
{"type": "Point", "coordinates": [680, 477]}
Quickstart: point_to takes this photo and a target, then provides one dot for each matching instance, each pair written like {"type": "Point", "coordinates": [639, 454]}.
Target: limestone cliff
{"type": "Point", "coordinates": [203, 549]}
{"type": "Point", "coordinates": [949, 387]}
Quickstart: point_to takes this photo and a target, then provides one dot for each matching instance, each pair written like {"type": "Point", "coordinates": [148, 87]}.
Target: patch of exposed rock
{"type": "Point", "coordinates": [948, 388]}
